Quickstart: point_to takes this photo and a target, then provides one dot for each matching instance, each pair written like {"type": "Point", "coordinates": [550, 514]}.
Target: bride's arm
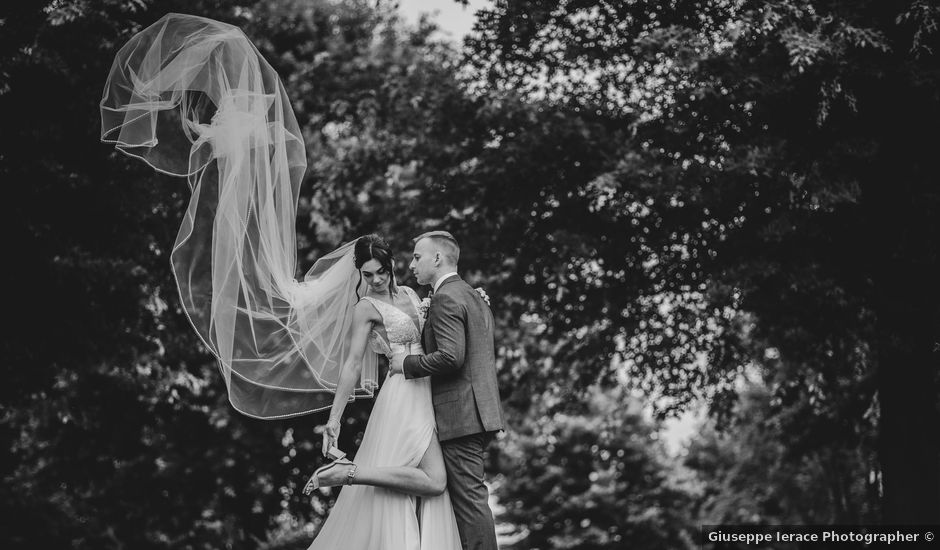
{"type": "Point", "coordinates": [364, 316]}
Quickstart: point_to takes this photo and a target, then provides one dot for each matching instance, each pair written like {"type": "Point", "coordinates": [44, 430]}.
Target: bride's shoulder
{"type": "Point", "coordinates": [365, 309]}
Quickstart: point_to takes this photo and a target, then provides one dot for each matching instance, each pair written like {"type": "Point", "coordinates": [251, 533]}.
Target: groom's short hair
{"type": "Point", "coordinates": [445, 241]}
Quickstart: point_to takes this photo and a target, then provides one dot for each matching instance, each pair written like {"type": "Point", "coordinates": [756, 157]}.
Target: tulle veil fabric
{"type": "Point", "coordinates": [193, 97]}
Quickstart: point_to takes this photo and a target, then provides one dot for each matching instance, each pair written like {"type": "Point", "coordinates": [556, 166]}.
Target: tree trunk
{"type": "Point", "coordinates": [908, 430]}
{"type": "Point", "coordinates": [902, 213]}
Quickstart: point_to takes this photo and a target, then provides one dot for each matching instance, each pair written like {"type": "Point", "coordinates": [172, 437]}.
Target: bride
{"type": "Point", "coordinates": [192, 97]}
{"type": "Point", "coordinates": [400, 452]}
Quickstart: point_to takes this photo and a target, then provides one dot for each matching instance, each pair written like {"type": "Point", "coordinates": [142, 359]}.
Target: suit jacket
{"type": "Point", "coordinates": [460, 358]}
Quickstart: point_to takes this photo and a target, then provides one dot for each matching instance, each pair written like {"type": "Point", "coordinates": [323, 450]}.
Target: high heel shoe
{"type": "Point", "coordinates": [314, 482]}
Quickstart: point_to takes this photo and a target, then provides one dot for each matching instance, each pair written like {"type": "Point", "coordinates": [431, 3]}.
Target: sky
{"type": "Point", "coordinates": [454, 19]}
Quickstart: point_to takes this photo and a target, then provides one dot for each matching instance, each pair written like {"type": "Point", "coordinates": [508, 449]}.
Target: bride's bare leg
{"type": "Point", "coordinates": [428, 479]}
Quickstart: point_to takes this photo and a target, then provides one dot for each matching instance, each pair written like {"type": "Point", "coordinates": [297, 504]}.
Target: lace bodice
{"type": "Point", "coordinates": [399, 326]}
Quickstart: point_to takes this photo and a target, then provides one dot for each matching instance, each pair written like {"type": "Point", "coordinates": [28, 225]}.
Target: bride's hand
{"type": "Point", "coordinates": [330, 435]}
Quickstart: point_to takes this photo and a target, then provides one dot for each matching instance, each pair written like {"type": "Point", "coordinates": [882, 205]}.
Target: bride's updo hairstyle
{"type": "Point", "coordinates": [373, 247]}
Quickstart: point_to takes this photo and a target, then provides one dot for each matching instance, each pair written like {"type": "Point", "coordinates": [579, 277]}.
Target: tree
{"type": "Point", "coordinates": [770, 195]}
{"type": "Point", "coordinates": [598, 479]}
{"type": "Point", "coordinates": [119, 428]}
{"type": "Point", "coordinates": [756, 472]}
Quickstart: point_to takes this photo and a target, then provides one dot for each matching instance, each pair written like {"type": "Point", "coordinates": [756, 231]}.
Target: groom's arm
{"type": "Point", "coordinates": [450, 333]}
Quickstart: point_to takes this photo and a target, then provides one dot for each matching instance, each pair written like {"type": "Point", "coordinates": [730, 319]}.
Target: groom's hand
{"type": "Point", "coordinates": [396, 365]}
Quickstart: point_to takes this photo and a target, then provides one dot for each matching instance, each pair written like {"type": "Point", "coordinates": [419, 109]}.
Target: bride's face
{"type": "Point", "coordinates": [375, 276]}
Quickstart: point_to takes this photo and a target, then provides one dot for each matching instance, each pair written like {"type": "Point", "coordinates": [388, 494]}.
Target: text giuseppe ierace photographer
{"type": "Point", "coordinates": [824, 536]}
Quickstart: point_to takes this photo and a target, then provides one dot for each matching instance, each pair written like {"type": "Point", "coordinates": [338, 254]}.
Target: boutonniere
{"type": "Point", "coordinates": [483, 294]}
{"type": "Point", "coordinates": [424, 306]}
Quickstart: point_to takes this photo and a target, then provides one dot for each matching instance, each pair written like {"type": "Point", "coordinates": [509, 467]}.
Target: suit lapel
{"type": "Point", "coordinates": [425, 335]}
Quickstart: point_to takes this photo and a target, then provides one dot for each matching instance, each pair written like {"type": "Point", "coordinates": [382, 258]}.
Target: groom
{"type": "Point", "coordinates": [460, 358]}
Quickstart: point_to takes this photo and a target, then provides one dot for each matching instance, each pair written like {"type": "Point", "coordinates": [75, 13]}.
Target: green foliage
{"type": "Point", "coordinates": [771, 194]}
{"type": "Point", "coordinates": [598, 479]}
{"type": "Point", "coordinates": [118, 424]}
{"type": "Point", "coordinates": [754, 474]}
{"type": "Point", "coordinates": [660, 195]}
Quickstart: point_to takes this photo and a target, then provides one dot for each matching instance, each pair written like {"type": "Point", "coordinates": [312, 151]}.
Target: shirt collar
{"type": "Point", "coordinates": [444, 277]}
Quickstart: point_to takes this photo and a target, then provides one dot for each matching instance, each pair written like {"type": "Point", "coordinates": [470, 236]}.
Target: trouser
{"type": "Point", "coordinates": [463, 460]}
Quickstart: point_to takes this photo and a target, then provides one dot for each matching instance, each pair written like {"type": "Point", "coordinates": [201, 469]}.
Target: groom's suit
{"type": "Point", "coordinates": [460, 358]}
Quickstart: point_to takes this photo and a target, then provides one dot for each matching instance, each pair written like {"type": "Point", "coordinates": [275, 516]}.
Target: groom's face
{"type": "Point", "coordinates": [424, 262]}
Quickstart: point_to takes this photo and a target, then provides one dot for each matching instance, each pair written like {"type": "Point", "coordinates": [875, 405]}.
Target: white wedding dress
{"type": "Point", "coordinates": [398, 433]}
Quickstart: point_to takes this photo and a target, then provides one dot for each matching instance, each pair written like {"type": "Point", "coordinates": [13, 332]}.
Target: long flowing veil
{"type": "Point", "coordinates": [193, 97]}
